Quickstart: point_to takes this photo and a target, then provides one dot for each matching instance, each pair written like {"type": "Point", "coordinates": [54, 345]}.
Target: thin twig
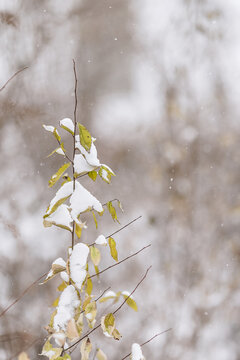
{"type": "Point", "coordinates": [96, 327]}
{"type": "Point", "coordinates": [13, 76]}
{"type": "Point", "coordinates": [119, 262]}
{"type": "Point", "coordinates": [103, 293]}
{"type": "Point", "coordinates": [22, 294]}
{"type": "Point", "coordinates": [145, 275]}
{"type": "Point", "coordinates": [163, 332]}
{"type": "Point", "coordinates": [74, 134]}
{"type": "Point", "coordinates": [123, 227]}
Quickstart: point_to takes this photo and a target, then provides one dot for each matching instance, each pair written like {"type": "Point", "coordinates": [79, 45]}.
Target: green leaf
{"type": "Point", "coordinates": [92, 175]}
{"type": "Point", "coordinates": [95, 219]}
{"type": "Point", "coordinates": [51, 352]}
{"type": "Point", "coordinates": [112, 211]}
{"type": "Point", "coordinates": [130, 302]}
{"type": "Point", "coordinates": [106, 173]}
{"type": "Point", "coordinates": [109, 320]}
{"type": "Point", "coordinates": [56, 205]}
{"type": "Point", "coordinates": [62, 286]}
{"type": "Point", "coordinates": [89, 286]}
{"type": "Point", "coordinates": [55, 303]}
{"type": "Point", "coordinates": [95, 255]}
{"type": "Point", "coordinates": [56, 134]}
{"type": "Point", "coordinates": [96, 270]}
{"type": "Point", "coordinates": [53, 130]}
{"type": "Point", "coordinates": [58, 174]}
{"type": "Point", "coordinates": [57, 151]}
{"type": "Point", "coordinates": [85, 137]}
{"type": "Point", "coordinates": [113, 250]}
{"type": "Point", "coordinates": [120, 205]}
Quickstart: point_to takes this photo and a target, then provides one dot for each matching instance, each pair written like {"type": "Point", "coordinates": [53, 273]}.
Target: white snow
{"type": "Point", "coordinates": [60, 151]}
{"type": "Point", "coordinates": [59, 261]}
{"type": "Point", "coordinates": [101, 240]}
{"type": "Point", "coordinates": [49, 128]}
{"type": "Point", "coordinates": [105, 175]}
{"type": "Point", "coordinates": [78, 261]}
{"type": "Point", "coordinates": [110, 293]}
{"type": "Point", "coordinates": [81, 165]}
{"type": "Point", "coordinates": [68, 302]}
{"type": "Point", "coordinates": [91, 156]}
{"type": "Point", "coordinates": [64, 191]}
{"type": "Point", "coordinates": [81, 200]}
{"type": "Point", "coordinates": [127, 293]}
{"type": "Point", "coordinates": [137, 352]}
{"type": "Point", "coordinates": [67, 123]}
{"type": "Point", "coordinates": [64, 276]}
{"type": "Point", "coordinates": [61, 216]}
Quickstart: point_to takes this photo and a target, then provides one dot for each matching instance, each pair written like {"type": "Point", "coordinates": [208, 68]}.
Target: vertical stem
{"type": "Point", "coordinates": [75, 127]}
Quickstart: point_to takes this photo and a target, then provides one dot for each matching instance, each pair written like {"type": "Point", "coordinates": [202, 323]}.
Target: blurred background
{"type": "Point", "coordinates": [159, 89]}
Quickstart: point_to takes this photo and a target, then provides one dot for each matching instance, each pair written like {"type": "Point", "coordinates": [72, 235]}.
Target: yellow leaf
{"type": "Point", "coordinates": [95, 255]}
{"type": "Point", "coordinates": [89, 286]}
{"type": "Point", "coordinates": [55, 303]}
{"type": "Point", "coordinates": [95, 219]}
{"type": "Point", "coordinates": [90, 313]}
{"type": "Point", "coordinates": [130, 302]}
{"type": "Point", "coordinates": [85, 137]}
{"type": "Point", "coordinates": [62, 286]}
{"type": "Point", "coordinates": [72, 332]}
{"type": "Point", "coordinates": [96, 270]}
{"type": "Point", "coordinates": [106, 173]}
{"type": "Point", "coordinates": [56, 205]}
{"type": "Point", "coordinates": [80, 324]}
{"type": "Point", "coordinates": [85, 349]}
{"type": "Point", "coordinates": [58, 174]}
{"type": "Point", "coordinates": [116, 334]}
{"type": "Point", "coordinates": [93, 175]}
{"type": "Point", "coordinates": [78, 230]}
{"type": "Point", "coordinates": [113, 250]}
{"type": "Point", "coordinates": [112, 211]}
{"type": "Point", "coordinates": [100, 355]}
{"type": "Point", "coordinates": [23, 356]}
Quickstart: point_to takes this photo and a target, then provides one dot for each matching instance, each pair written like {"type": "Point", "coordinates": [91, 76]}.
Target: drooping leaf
{"type": "Point", "coordinates": [72, 331]}
{"type": "Point", "coordinates": [95, 255]}
{"type": "Point", "coordinates": [58, 174]}
{"type": "Point", "coordinates": [120, 205]}
{"type": "Point", "coordinates": [113, 250]}
{"type": "Point", "coordinates": [62, 286]}
{"type": "Point", "coordinates": [80, 324]}
{"type": "Point", "coordinates": [108, 326]}
{"type": "Point", "coordinates": [100, 355]}
{"type": "Point", "coordinates": [89, 286]}
{"type": "Point", "coordinates": [53, 130]}
{"type": "Point", "coordinates": [95, 219]}
{"type": "Point", "coordinates": [55, 303]}
{"type": "Point", "coordinates": [112, 211]}
{"type": "Point", "coordinates": [85, 349]}
{"type": "Point", "coordinates": [96, 270]}
{"type": "Point", "coordinates": [130, 301]}
{"type": "Point", "coordinates": [93, 175]}
{"type": "Point", "coordinates": [85, 137]}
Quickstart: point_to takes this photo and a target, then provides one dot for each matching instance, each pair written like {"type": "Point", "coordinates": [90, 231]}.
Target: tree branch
{"type": "Point", "coordinates": [119, 262]}
{"type": "Point", "coordinates": [96, 327]}
{"type": "Point", "coordinates": [163, 332]}
{"type": "Point", "coordinates": [22, 294]}
{"type": "Point", "coordinates": [123, 227]}
{"type": "Point", "coordinates": [13, 76]}
{"type": "Point", "coordinates": [74, 134]}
